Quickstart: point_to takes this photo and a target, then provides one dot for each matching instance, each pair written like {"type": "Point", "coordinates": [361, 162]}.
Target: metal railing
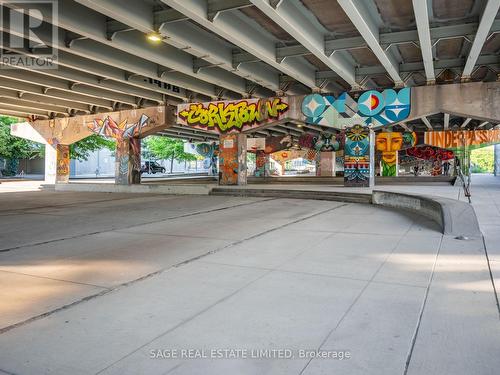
{"type": "Point", "coordinates": [465, 183]}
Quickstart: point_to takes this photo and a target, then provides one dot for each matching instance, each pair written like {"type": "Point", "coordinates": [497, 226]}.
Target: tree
{"type": "Point", "coordinates": [13, 148]}
{"type": "Point", "coordinates": [482, 160]}
{"type": "Point", "coordinates": [167, 148]}
{"type": "Point", "coordinates": [81, 150]}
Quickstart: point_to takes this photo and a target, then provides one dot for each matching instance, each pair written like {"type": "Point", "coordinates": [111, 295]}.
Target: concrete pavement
{"type": "Point", "coordinates": [96, 283]}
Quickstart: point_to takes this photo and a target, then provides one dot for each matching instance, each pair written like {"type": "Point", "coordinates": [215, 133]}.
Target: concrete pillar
{"type": "Point", "coordinates": [326, 164]}
{"type": "Point", "coordinates": [496, 160]}
{"type": "Point", "coordinates": [389, 163]}
{"type": "Point", "coordinates": [56, 163]}
{"type": "Point", "coordinates": [233, 159]}
{"type": "Point", "coordinates": [359, 156]}
{"type": "Point", "coordinates": [128, 161]}
{"type": "Point", "coordinates": [262, 161]}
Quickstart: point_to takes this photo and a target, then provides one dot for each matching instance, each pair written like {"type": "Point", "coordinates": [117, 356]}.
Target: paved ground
{"type": "Point", "coordinates": [95, 283]}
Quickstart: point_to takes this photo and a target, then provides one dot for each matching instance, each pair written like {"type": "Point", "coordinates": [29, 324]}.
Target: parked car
{"type": "Point", "coordinates": [152, 167]}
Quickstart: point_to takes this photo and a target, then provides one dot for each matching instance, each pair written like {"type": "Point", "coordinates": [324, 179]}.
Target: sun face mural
{"type": "Point", "coordinates": [373, 108]}
{"type": "Point", "coordinates": [357, 156]}
{"type": "Point", "coordinates": [389, 143]}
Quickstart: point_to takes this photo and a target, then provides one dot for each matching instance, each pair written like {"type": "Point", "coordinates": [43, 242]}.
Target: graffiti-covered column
{"type": "Point", "coordinates": [497, 160]}
{"type": "Point", "coordinates": [262, 161]}
{"type": "Point", "coordinates": [326, 164]}
{"type": "Point", "coordinates": [232, 159]}
{"type": "Point", "coordinates": [128, 161]}
{"type": "Point", "coordinates": [56, 163]}
{"type": "Point", "coordinates": [359, 155]}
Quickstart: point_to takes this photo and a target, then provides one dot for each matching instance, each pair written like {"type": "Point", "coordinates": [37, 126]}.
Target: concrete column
{"type": "Point", "coordinates": [128, 161]}
{"type": "Point", "coordinates": [326, 164]}
{"type": "Point", "coordinates": [389, 163]}
{"type": "Point", "coordinates": [359, 156]}
{"type": "Point", "coordinates": [233, 159]}
{"type": "Point", "coordinates": [496, 160]}
{"type": "Point", "coordinates": [56, 163]}
{"type": "Point", "coordinates": [262, 161]}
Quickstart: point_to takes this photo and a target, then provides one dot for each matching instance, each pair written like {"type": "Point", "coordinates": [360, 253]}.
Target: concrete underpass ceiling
{"type": "Point", "coordinates": [247, 48]}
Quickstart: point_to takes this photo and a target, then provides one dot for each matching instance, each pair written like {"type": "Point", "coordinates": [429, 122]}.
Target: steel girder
{"type": "Point", "coordinates": [245, 34]}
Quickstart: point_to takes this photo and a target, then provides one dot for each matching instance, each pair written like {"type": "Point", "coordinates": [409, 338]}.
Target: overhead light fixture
{"type": "Point", "coordinates": [154, 37]}
{"type": "Point", "coordinates": [299, 125]}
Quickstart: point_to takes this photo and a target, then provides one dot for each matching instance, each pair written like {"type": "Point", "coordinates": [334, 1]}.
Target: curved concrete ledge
{"type": "Point", "coordinates": [455, 217]}
{"type": "Point", "coordinates": [294, 194]}
{"type": "Point", "coordinates": [178, 189]}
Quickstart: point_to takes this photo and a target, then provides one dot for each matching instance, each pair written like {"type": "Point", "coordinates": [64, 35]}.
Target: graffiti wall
{"type": "Point", "coordinates": [227, 116]}
{"type": "Point", "coordinates": [128, 162]}
{"type": "Point", "coordinates": [372, 108]}
{"type": "Point", "coordinates": [388, 144]}
{"type": "Point", "coordinates": [232, 159]}
{"type": "Point", "coordinates": [210, 151]}
{"type": "Point", "coordinates": [62, 166]}
{"type": "Point", "coordinates": [358, 157]}
{"type": "Point", "coordinates": [323, 142]}
{"type": "Point", "coordinates": [465, 138]}
{"type": "Point", "coordinates": [261, 164]}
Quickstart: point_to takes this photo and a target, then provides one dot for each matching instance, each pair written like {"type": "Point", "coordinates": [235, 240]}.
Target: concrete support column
{"type": "Point", "coordinates": [56, 163]}
{"type": "Point", "coordinates": [262, 161]}
{"type": "Point", "coordinates": [128, 161]}
{"type": "Point", "coordinates": [389, 164]}
{"type": "Point", "coordinates": [496, 160]}
{"type": "Point", "coordinates": [326, 164]}
{"type": "Point", "coordinates": [233, 159]}
{"type": "Point", "coordinates": [359, 156]}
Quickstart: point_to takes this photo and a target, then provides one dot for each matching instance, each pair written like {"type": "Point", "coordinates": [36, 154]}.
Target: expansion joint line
{"type": "Point", "coordinates": [421, 313]}
{"type": "Point", "coordinates": [495, 293]}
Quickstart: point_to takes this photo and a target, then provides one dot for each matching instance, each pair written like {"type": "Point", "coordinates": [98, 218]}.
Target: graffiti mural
{"type": "Point", "coordinates": [226, 116]}
{"type": "Point", "coordinates": [109, 128]}
{"type": "Point", "coordinates": [128, 161]}
{"type": "Point", "coordinates": [62, 167]}
{"type": "Point", "coordinates": [454, 140]}
{"type": "Point", "coordinates": [261, 163]}
{"type": "Point", "coordinates": [231, 151]}
{"type": "Point", "coordinates": [373, 108]}
{"type": "Point", "coordinates": [388, 144]}
{"type": "Point", "coordinates": [357, 158]}
{"type": "Point", "coordinates": [433, 154]}
{"type": "Point", "coordinates": [324, 142]}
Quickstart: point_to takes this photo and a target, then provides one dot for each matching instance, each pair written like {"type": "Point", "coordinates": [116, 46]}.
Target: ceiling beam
{"type": "Point", "coordinates": [25, 87]}
{"type": "Point", "coordinates": [427, 123]}
{"type": "Point", "coordinates": [291, 17]}
{"type": "Point", "coordinates": [50, 82]}
{"type": "Point", "coordinates": [368, 28]}
{"type": "Point", "coordinates": [185, 36]}
{"type": "Point", "coordinates": [464, 124]}
{"type": "Point", "coordinates": [446, 123]}
{"type": "Point", "coordinates": [242, 32]}
{"type": "Point", "coordinates": [482, 124]}
{"type": "Point", "coordinates": [467, 30]}
{"type": "Point", "coordinates": [487, 19]}
{"type": "Point", "coordinates": [131, 48]}
{"type": "Point", "coordinates": [424, 35]}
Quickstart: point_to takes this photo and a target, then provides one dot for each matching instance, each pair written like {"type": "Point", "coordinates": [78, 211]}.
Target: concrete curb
{"type": "Point", "coordinates": [294, 194]}
{"type": "Point", "coordinates": [174, 189]}
{"type": "Point", "coordinates": [455, 218]}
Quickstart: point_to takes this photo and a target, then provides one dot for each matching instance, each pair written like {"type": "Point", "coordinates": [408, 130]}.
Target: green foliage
{"type": "Point", "coordinates": [13, 148]}
{"type": "Point", "coordinates": [482, 160]}
{"type": "Point", "coordinates": [81, 150]}
{"type": "Point", "coordinates": [167, 148]}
